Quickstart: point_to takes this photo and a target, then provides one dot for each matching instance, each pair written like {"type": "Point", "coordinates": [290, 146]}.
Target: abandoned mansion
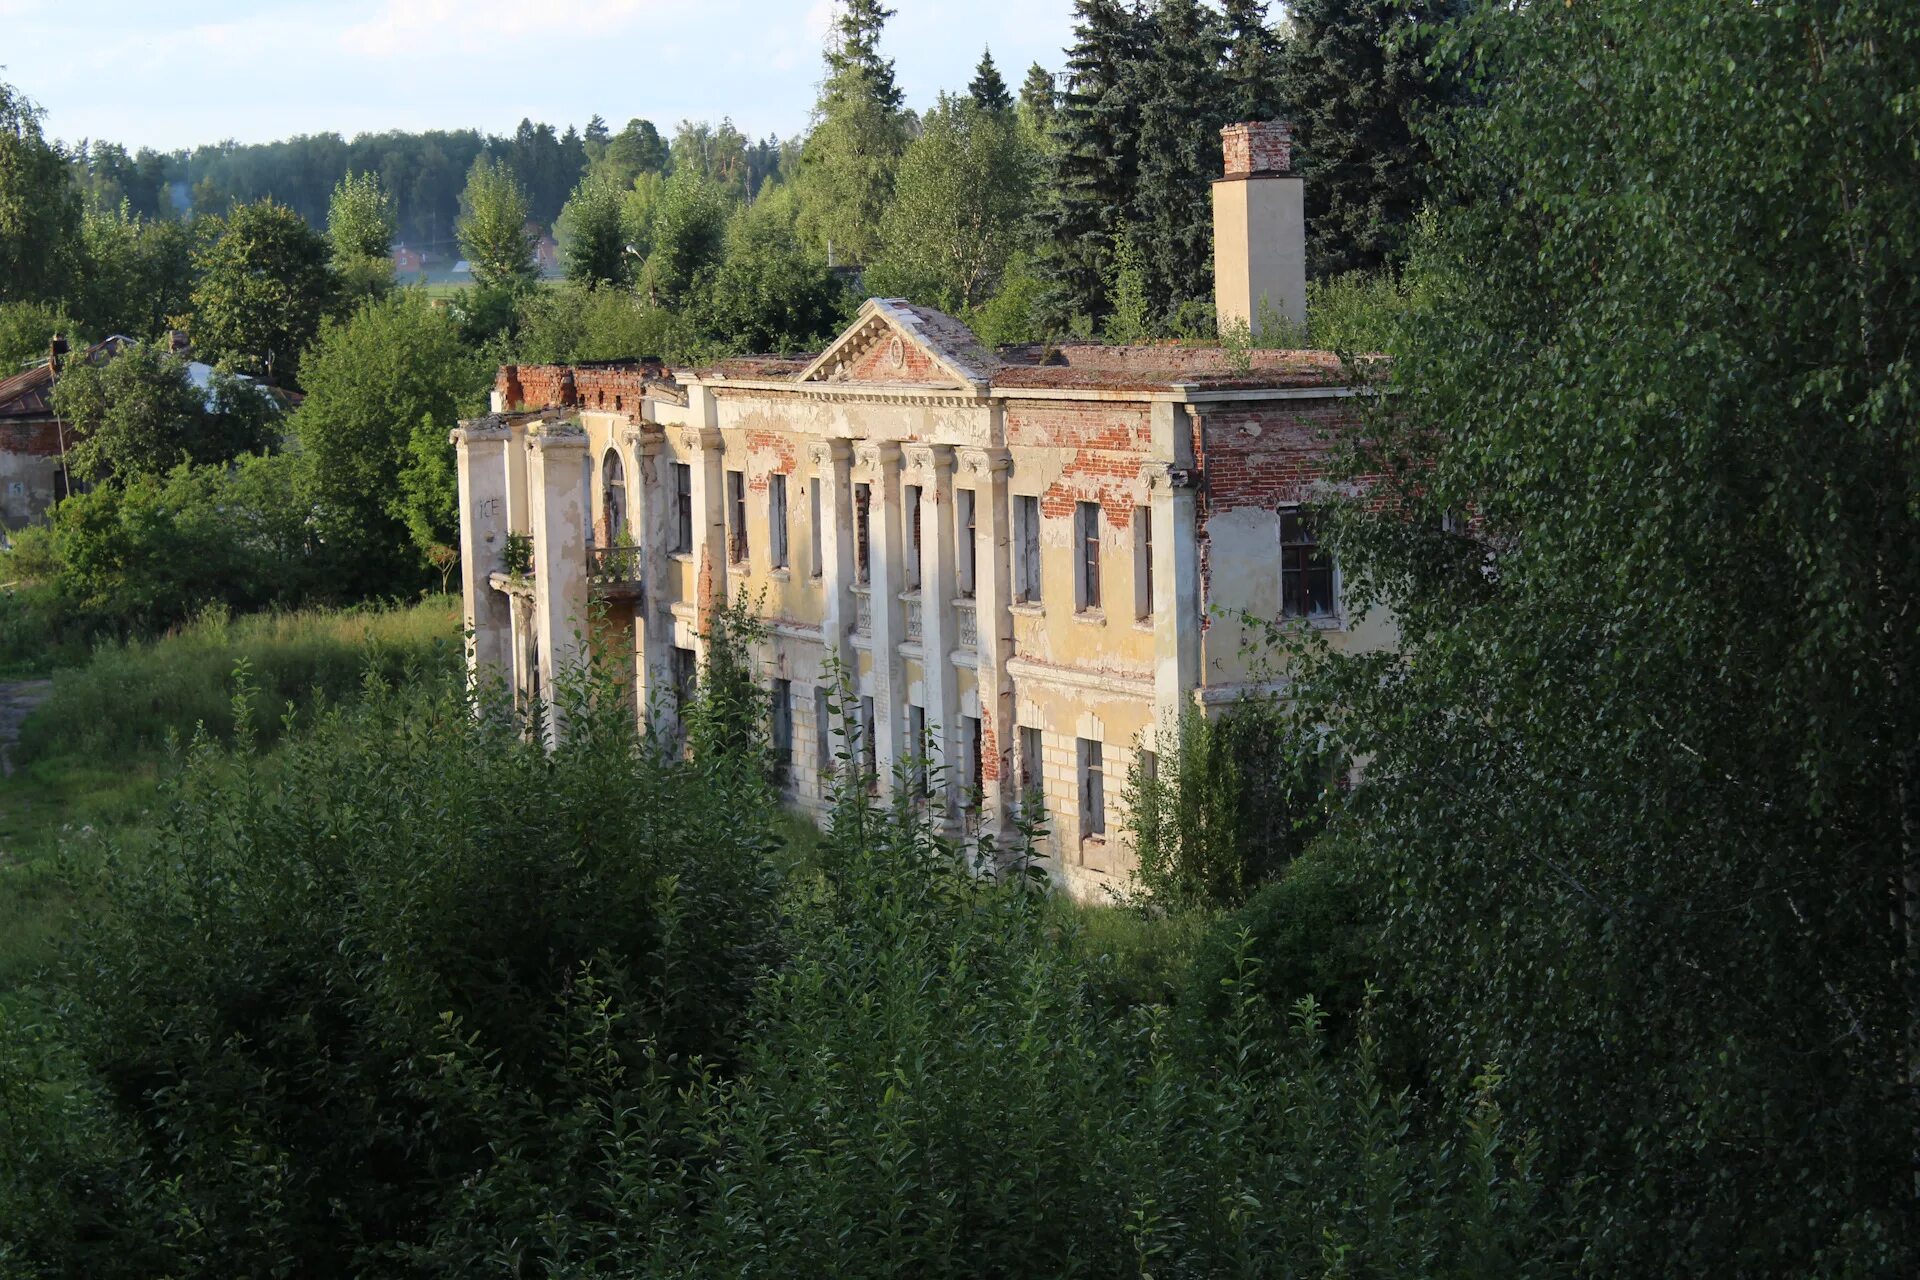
{"type": "Point", "coordinates": [1020, 564]}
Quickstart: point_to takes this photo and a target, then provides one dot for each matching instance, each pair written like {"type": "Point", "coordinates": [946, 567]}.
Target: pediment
{"type": "Point", "coordinates": [894, 343]}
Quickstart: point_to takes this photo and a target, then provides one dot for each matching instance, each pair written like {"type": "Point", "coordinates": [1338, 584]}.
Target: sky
{"type": "Point", "coordinates": [181, 75]}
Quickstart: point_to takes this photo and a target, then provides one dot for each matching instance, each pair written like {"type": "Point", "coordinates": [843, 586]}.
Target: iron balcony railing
{"type": "Point", "coordinates": [614, 567]}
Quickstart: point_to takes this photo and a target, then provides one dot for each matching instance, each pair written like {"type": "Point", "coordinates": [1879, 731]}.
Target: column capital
{"type": "Point", "coordinates": [983, 464]}
{"type": "Point", "coordinates": [489, 429]}
{"type": "Point", "coordinates": [696, 439]}
{"type": "Point", "coordinates": [924, 463]}
{"type": "Point", "coordinates": [556, 434]}
{"type": "Point", "coordinates": [823, 454]}
{"type": "Point", "coordinates": [872, 455]}
{"type": "Point", "coordinates": [644, 443]}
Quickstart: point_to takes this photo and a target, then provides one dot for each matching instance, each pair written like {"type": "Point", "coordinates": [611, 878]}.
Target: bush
{"type": "Point", "coordinates": [1226, 805]}
{"type": "Point", "coordinates": [320, 1016]}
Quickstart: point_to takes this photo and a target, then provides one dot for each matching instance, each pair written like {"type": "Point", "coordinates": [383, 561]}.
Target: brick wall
{"type": "Point", "coordinates": [1108, 443]}
{"type": "Point", "coordinates": [36, 439]}
{"type": "Point", "coordinates": [612, 388]}
{"type": "Point", "coordinates": [1257, 146]}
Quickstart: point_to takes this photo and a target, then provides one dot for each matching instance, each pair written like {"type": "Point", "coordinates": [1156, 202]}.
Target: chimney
{"type": "Point", "coordinates": [1259, 227]}
{"type": "Point", "coordinates": [56, 354]}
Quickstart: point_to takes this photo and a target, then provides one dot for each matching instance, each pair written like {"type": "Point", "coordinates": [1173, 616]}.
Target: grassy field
{"type": "Point", "coordinates": [90, 759]}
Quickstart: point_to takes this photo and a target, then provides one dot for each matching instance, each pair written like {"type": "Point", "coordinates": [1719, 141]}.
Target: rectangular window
{"type": "Point", "coordinates": [823, 752]}
{"type": "Point", "coordinates": [683, 508]}
{"type": "Point", "coordinates": [1032, 790]}
{"type": "Point", "coordinates": [869, 743]}
{"type": "Point", "coordinates": [862, 534]}
{"type": "Point", "coordinates": [1143, 563]}
{"type": "Point", "coordinates": [918, 749]}
{"type": "Point", "coordinates": [1086, 528]}
{"type": "Point", "coordinates": [1093, 790]}
{"type": "Point", "coordinates": [969, 536]}
{"type": "Point", "coordinates": [737, 516]}
{"type": "Point", "coordinates": [777, 520]}
{"type": "Point", "coordinates": [682, 665]}
{"type": "Point", "coordinates": [970, 761]}
{"type": "Point", "coordinates": [1026, 549]}
{"type": "Point", "coordinates": [817, 535]}
{"type": "Point", "coordinates": [911, 499]}
{"type": "Point", "coordinates": [782, 731]}
{"type": "Point", "coordinates": [1306, 571]}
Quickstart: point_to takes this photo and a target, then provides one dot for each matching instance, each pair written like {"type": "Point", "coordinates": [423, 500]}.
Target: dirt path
{"type": "Point", "coordinates": [18, 698]}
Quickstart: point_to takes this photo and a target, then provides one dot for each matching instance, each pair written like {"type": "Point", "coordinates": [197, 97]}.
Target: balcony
{"type": "Point", "coordinates": [910, 606]}
{"type": "Point", "coordinates": [614, 572]}
{"type": "Point", "coordinates": [966, 626]}
{"type": "Point", "coordinates": [862, 611]}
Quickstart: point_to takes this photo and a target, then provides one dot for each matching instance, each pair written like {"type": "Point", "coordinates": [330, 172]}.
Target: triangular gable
{"type": "Point", "coordinates": [893, 341]}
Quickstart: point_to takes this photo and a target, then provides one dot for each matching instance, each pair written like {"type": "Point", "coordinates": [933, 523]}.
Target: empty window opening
{"type": "Point", "coordinates": [817, 534]}
{"type": "Point", "coordinates": [1026, 558]}
{"type": "Point", "coordinates": [1086, 524]}
{"type": "Point", "coordinates": [1306, 570]}
{"type": "Point", "coordinates": [1143, 563]}
{"type": "Point", "coordinates": [862, 533]}
{"type": "Point", "coordinates": [1093, 790]}
{"type": "Point", "coordinates": [967, 562]}
{"type": "Point", "coordinates": [777, 520]}
{"type": "Point", "coordinates": [683, 507]}
{"type": "Point", "coordinates": [782, 731]}
{"type": "Point", "coordinates": [737, 516]}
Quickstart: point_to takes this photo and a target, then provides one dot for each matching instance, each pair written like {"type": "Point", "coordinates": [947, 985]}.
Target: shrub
{"type": "Point", "coordinates": [1226, 805]}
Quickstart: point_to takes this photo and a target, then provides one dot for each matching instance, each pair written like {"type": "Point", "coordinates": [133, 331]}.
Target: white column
{"type": "Point", "coordinates": [481, 448]}
{"type": "Point", "coordinates": [828, 459]}
{"type": "Point", "coordinates": [650, 517]}
{"type": "Point", "coordinates": [706, 461]}
{"type": "Point", "coordinates": [881, 462]}
{"type": "Point", "coordinates": [986, 472]}
{"type": "Point", "coordinates": [931, 467]}
{"type": "Point", "coordinates": [558, 486]}
{"type": "Point", "coordinates": [1176, 566]}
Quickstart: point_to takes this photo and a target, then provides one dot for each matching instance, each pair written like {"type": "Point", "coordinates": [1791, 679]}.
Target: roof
{"type": "Point", "coordinates": [29, 394]}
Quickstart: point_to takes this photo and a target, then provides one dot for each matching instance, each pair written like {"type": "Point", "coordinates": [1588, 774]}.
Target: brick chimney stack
{"type": "Point", "coordinates": [1259, 227]}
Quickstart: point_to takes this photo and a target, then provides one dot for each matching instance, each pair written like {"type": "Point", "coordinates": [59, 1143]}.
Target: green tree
{"type": "Point", "coordinates": [847, 163]}
{"type": "Point", "coordinates": [27, 330]}
{"type": "Point", "coordinates": [360, 227]}
{"type": "Point", "coordinates": [384, 387]}
{"type": "Point", "coordinates": [688, 236]}
{"type": "Point", "coordinates": [769, 293]}
{"type": "Point", "coordinates": [593, 239]}
{"type": "Point", "coordinates": [1094, 159]}
{"type": "Point", "coordinates": [264, 284]}
{"type": "Point", "coordinates": [1358, 79]}
{"type": "Point", "coordinates": [964, 188]}
{"type": "Point", "coordinates": [1640, 778]}
{"type": "Point", "coordinates": [635, 150]}
{"type": "Point", "coordinates": [988, 90]}
{"type": "Point", "coordinates": [39, 208]}
{"type": "Point", "coordinates": [1037, 101]}
{"type": "Point", "coordinates": [140, 414]}
{"type": "Point", "coordinates": [136, 275]}
{"type": "Point", "coordinates": [493, 226]}
{"type": "Point", "coordinates": [1180, 92]}
{"type": "Point", "coordinates": [1252, 70]}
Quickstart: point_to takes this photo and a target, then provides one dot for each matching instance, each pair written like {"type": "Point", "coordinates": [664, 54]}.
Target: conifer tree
{"type": "Point", "coordinates": [1170, 218]}
{"type": "Point", "coordinates": [1037, 100]}
{"type": "Point", "coordinates": [847, 165]}
{"type": "Point", "coordinates": [1094, 159]}
{"type": "Point", "coordinates": [1356, 77]}
{"type": "Point", "coordinates": [1252, 70]}
{"type": "Point", "coordinates": [988, 90]}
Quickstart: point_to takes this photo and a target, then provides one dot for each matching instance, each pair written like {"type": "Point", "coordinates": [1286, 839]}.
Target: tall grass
{"type": "Point", "coordinates": [130, 697]}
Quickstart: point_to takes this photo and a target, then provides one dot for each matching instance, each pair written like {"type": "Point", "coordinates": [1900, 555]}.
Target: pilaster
{"type": "Point", "coordinates": [705, 454]}
{"type": "Point", "coordinates": [828, 460]}
{"type": "Point", "coordinates": [931, 467]}
{"type": "Point", "coordinates": [480, 448]}
{"type": "Point", "coordinates": [985, 472]}
{"type": "Point", "coordinates": [879, 464]}
{"type": "Point", "coordinates": [558, 484]}
{"type": "Point", "coordinates": [650, 514]}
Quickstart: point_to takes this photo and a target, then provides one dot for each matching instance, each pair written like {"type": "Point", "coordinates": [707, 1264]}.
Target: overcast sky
{"type": "Point", "coordinates": [171, 75]}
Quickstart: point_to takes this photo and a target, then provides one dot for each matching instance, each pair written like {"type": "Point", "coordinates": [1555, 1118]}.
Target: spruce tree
{"type": "Point", "coordinates": [1252, 70]}
{"type": "Point", "coordinates": [1037, 99]}
{"type": "Point", "coordinates": [1356, 75]}
{"type": "Point", "coordinates": [988, 90]}
{"type": "Point", "coordinates": [1094, 158]}
{"type": "Point", "coordinates": [1170, 217]}
{"type": "Point", "coordinates": [845, 181]}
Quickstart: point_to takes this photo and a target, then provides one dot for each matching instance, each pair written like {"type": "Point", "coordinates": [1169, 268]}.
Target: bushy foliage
{"type": "Point", "coordinates": [27, 330]}
{"type": "Point", "coordinates": [138, 557]}
{"type": "Point", "coordinates": [264, 284]}
{"type": "Point", "coordinates": [140, 414]}
{"type": "Point", "coordinates": [39, 209]}
{"type": "Point", "coordinates": [1639, 777]}
{"type": "Point", "coordinates": [492, 226]}
{"type": "Point", "coordinates": [135, 274]}
{"type": "Point", "coordinates": [593, 240]}
{"type": "Point", "coordinates": [360, 227]}
{"type": "Point", "coordinates": [330, 1016]}
{"type": "Point", "coordinates": [566, 323]}
{"type": "Point", "coordinates": [769, 294]}
{"type": "Point", "coordinates": [1225, 804]}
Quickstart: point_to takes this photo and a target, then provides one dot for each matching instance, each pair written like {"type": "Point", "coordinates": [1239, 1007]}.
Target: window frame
{"type": "Point", "coordinates": [780, 730]}
{"type": "Point", "coordinates": [777, 520]}
{"type": "Point", "coordinates": [817, 539]}
{"type": "Point", "coordinates": [683, 508]}
{"type": "Point", "coordinates": [862, 533]}
{"type": "Point", "coordinates": [1093, 789]}
{"type": "Point", "coordinates": [1303, 559]}
{"type": "Point", "coordinates": [967, 564]}
{"type": "Point", "coordinates": [1026, 548]}
{"type": "Point", "coordinates": [737, 549]}
{"type": "Point", "coordinates": [1086, 574]}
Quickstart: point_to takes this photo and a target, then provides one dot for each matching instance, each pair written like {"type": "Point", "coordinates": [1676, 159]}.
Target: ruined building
{"type": "Point", "coordinates": [1030, 560]}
